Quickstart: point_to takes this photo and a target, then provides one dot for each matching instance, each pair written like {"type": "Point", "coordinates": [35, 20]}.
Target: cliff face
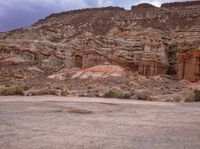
{"type": "Point", "coordinates": [145, 39]}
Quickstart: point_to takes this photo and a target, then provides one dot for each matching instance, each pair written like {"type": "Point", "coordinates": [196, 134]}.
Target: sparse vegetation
{"type": "Point", "coordinates": [24, 91]}
{"type": "Point", "coordinates": [25, 87]}
{"type": "Point", "coordinates": [197, 94]}
{"type": "Point", "coordinates": [145, 95]}
{"type": "Point", "coordinates": [15, 90]}
{"type": "Point", "coordinates": [64, 93]}
{"type": "Point", "coordinates": [190, 98]}
{"type": "Point", "coordinates": [178, 99]}
{"type": "Point", "coordinates": [194, 96]}
{"type": "Point", "coordinates": [125, 96]}
{"type": "Point", "coordinates": [174, 99]}
{"type": "Point", "coordinates": [116, 94]}
{"type": "Point", "coordinates": [44, 92]}
{"type": "Point", "coordinates": [112, 94]}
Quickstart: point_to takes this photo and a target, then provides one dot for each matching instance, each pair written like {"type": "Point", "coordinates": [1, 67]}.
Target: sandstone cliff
{"type": "Point", "coordinates": [146, 39]}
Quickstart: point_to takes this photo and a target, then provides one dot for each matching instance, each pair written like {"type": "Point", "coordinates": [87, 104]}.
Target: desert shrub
{"type": "Point", "coordinates": [194, 96]}
{"type": "Point", "coordinates": [197, 94]}
{"type": "Point", "coordinates": [178, 99]}
{"type": "Point", "coordinates": [190, 98]}
{"type": "Point", "coordinates": [117, 94]}
{"type": "Point", "coordinates": [125, 96]}
{"type": "Point", "coordinates": [15, 90]}
{"type": "Point", "coordinates": [145, 95]}
{"type": "Point", "coordinates": [24, 87]}
{"type": "Point", "coordinates": [174, 99]}
{"type": "Point", "coordinates": [44, 92]}
{"type": "Point", "coordinates": [64, 93]}
{"type": "Point", "coordinates": [111, 94]}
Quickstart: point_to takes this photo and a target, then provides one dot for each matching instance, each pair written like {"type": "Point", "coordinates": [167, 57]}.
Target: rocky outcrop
{"type": "Point", "coordinates": [101, 71]}
{"type": "Point", "coordinates": [143, 7]}
{"type": "Point", "coordinates": [143, 40]}
{"type": "Point", "coordinates": [189, 65]}
{"type": "Point", "coordinates": [178, 5]}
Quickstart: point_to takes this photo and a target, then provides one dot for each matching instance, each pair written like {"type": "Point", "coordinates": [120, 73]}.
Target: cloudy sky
{"type": "Point", "coordinates": [18, 13]}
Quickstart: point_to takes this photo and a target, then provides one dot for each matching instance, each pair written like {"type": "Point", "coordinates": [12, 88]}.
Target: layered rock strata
{"type": "Point", "coordinates": [145, 39]}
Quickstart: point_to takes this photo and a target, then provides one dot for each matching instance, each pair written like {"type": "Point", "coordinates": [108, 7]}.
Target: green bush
{"type": "Point", "coordinates": [15, 90]}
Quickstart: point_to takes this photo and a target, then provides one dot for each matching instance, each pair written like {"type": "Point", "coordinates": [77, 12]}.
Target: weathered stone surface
{"type": "Point", "coordinates": [189, 65]}
{"type": "Point", "coordinates": [101, 71]}
{"type": "Point", "coordinates": [145, 40]}
{"type": "Point", "coordinates": [178, 5]}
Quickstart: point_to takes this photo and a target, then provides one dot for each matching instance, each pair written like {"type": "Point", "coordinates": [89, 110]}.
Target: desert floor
{"type": "Point", "coordinates": [49, 122]}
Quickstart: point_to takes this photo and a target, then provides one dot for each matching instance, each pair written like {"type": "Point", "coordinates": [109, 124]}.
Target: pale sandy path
{"type": "Point", "coordinates": [49, 122]}
{"type": "Point", "coordinates": [80, 99]}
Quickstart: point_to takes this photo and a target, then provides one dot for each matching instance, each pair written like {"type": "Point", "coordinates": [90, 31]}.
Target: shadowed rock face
{"type": "Point", "coordinates": [145, 39]}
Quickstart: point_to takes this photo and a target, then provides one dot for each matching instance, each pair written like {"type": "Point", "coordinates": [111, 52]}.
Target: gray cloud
{"type": "Point", "coordinates": [17, 13]}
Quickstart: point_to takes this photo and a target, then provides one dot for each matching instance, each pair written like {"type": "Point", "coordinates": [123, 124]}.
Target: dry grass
{"type": "Point", "coordinates": [117, 94]}
{"type": "Point", "coordinates": [43, 92]}
{"type": "Point", "coordinates": [174, 99]}
{"type": "Point", "coordinates": [64, 93]}
{"type": "Point", "coordinates": [145, 95]}
{"type": "Point", "coordinates": [194, 96]}
{"type": "Point", "coordinates": [15, 90]}
{"type": "Point", "coordinates": [111, 94]}
{"type": "Point", "coordinates": [24, 91]}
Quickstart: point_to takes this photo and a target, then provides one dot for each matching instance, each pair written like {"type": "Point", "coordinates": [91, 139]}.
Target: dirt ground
{"type": "Point", "coordinates": [90, 123]}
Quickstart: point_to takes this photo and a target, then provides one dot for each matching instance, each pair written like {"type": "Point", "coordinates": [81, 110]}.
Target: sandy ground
{"type": "Point", "coordinates": [92, 123]}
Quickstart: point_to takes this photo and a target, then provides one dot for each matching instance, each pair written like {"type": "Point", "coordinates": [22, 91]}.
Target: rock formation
{"type": "Point", "coordinates": [145, 40]}
{"type": "Point", "coordinates": [189, 60]}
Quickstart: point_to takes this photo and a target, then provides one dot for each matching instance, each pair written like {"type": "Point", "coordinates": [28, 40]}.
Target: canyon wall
{"type": "Point", "coordinates": [145, 39]}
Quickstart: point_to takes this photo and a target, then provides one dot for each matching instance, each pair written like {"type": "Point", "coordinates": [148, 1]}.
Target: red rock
{"type": "Point", "coordinates": [145, 40]}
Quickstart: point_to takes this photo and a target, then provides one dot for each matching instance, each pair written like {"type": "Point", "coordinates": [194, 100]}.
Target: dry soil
{"type": "Point", "coordinates": [90, 123]}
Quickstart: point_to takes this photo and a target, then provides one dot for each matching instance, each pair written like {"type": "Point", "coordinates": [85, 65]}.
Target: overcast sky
{"type": "Point", "coordinates": [18, 13]}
